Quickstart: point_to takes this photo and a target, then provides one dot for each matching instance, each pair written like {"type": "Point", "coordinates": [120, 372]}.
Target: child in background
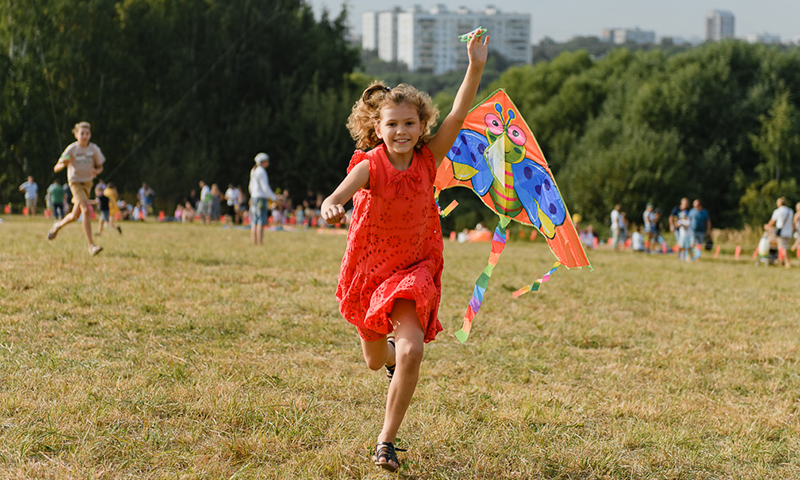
{"type": "Point", "coordinates": [56, 192]}
{"type": "Point", "coordinates": [113, 204]}
{"type": "Point", "coordinates": [390, 279]}
{"type": "Point", "coordinates": [83, 161]}
{"type": "Point", "coordinates": [103, 205]}
{"type": "Point", "coordinates": [683, 235]}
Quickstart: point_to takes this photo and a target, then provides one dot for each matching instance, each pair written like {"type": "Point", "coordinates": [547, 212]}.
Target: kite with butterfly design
{"type": "Point", "coordinates": [497, 156]}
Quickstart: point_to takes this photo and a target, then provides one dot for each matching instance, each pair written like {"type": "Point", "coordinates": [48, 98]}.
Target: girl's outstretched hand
{"type": "Point", "coordinates": [478, 49]}
{"type": "Point", "coordinates": [333, 214]}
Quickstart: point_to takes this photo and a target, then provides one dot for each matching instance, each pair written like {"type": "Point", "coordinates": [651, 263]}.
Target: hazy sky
{"type": "Point", "coordinates": [563, 19]}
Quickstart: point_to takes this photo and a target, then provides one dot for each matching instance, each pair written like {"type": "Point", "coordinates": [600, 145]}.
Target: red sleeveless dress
{"type": "Point", "coordinates": [394, 246]}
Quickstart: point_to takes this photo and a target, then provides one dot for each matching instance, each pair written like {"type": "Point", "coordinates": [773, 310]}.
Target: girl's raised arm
{"type": "Point", "coordinates": [332, 209]}
{"type": "Point", "coordinates": [447, 133]}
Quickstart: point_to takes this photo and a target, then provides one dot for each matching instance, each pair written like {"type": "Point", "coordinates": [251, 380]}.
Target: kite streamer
{"type": "Point", "coordinates": [498, 243]}
{"type": "Point", "coordinates": [448, 210]}
{"type": "Point", "coordinates": [535, 285]}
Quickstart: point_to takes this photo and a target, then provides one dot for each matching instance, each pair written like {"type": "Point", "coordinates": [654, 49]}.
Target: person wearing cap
{"type": "Point", "coordinates": [260, 192]}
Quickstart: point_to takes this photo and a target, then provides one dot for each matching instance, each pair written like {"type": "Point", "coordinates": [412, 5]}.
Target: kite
{"type": "Point", "coordinates": [497, 157]}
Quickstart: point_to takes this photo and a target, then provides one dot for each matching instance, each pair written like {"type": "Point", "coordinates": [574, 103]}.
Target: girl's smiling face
{"type": "Point", "coordinates": [399, 128]}
{"type": "Point", "coordinates": [82, 136]}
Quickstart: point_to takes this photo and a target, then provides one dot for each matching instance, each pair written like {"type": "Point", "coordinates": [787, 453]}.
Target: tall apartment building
{"type": "Point", "coordinates": [621, 36]}
{"type": "Point", "coordinates": [369, 31]}
{"type": "Point", "coordinates": [719, 25]}
{"type": "Point", "coordinates": [427, 40]}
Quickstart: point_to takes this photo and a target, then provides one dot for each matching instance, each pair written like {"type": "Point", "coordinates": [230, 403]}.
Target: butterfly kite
{"type": "Point", "coordinates": [497, 157]}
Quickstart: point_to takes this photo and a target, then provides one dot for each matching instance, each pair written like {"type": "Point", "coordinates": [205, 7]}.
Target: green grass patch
{"type": "Point", "coordinates": [182, 351]}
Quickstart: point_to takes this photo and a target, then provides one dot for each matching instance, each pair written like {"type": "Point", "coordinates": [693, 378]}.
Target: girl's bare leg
{"type": "Point", "coordinates": [409, 347]}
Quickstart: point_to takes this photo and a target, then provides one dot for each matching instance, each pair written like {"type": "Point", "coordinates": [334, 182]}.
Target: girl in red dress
{"type": "Point", "coordinates": [390, 279]}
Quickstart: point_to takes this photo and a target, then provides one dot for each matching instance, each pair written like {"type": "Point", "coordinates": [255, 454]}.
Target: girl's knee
{"type": "Point", "coordinates": [374, 362]}
{"type": "Point", "coordinates": [410, 352]}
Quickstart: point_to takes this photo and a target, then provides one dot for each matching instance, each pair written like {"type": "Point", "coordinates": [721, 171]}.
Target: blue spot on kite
{"type": "Point", "coordinates": [456, 150]}
{"type": "Point", "coordinates": [528, 173]}
{"type": "Point", "coordinates": [538, 189]}
{"type": "Point", "coordinates": [481, 148]}
{"type": "Point", "coordinates": [463, 138]}
{"type": "Point", "coordinates": [553, 209]}
{"type": "Point", "coordinates": [547, 184]}
{"type": "Point", "coordinates": [472, 155]}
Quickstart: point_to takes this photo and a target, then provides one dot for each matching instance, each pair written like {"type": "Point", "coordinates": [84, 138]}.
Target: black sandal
{"type": "Point", "coordinates": [385, 454]}
{"type": "Point", "coordinates": [390, 369]}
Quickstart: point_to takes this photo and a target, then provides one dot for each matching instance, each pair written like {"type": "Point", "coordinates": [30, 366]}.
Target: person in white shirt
{"type": "Point", "coordinates": [232, 195]}
{"type": "Point", "coordinates": [31, 195]}
{"type": "Point", "coordinates": [782, 219]}
{"type": "Point", "coordinates": [260, 192]}
{"type": "Point", "coordinates": [615, 218]}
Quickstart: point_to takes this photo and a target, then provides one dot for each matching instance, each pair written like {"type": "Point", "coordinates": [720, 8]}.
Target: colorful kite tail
{"type": "Point", "coordinates": [534, 287]}
{"type": "Point", "coordinates": [498, 243]}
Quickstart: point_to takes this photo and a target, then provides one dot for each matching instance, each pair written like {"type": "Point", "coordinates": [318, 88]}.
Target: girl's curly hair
{"type": "Point", "coordinates": [367, 112]}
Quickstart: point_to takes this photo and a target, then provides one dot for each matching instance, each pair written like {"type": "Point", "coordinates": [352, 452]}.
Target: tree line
{"type": "Point", "coordinates": [176, 91]}
{"type": "Point", "coordinates": [190, 90]}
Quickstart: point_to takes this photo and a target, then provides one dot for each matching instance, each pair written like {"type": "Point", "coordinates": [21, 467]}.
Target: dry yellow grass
{"type": "Point", "coordinates": [184, 352]}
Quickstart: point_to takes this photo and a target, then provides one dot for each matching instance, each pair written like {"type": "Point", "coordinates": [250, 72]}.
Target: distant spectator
{"type": "Point", "coordinates": [232, 195]}
{"type": "Point", "coordinates": [699, 223]}
{"type": "Point", "coordinates": [216, 206]}
{"type": "Point", "coordinates": [623, 228]}
{"type": "Point", "coordinates": [56, 192]}
{"type": "Point", "coordinates": [782, 220]}
{"type": "Point", "coordinates": [655, 230]}
{"type": "Point", "coordinates": [204, 204]}
{"type": "Point", "coordinates": [113, 205]}
{"type": "Point", "coordinates": [637, 240]}
{"type": "Point", "coordinates": [31, 195]}
{"type": "Point", "coordinates": [647, 218]}
{"type": "Point", "coordinates": [144, 195]}
{"type": "Point", "coordinates": [615, 219]}
{"type": "Point", "coordinates": [188, 212]}
{"type": "Point", "coordinates": [260, 192]}
{"type": "Point", "coordinates": [192, 198]}
{"type": "Point", "coordinates": [673, 216]}
{"type": "Point", "coordinates": [683, 235]}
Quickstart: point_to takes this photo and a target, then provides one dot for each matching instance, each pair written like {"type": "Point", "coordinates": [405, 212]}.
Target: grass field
{"type": "Point", "coordinates": [182, 351]}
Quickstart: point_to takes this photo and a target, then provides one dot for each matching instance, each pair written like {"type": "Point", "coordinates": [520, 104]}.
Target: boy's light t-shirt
{"type": "Point", "coordinates": [83, 160]}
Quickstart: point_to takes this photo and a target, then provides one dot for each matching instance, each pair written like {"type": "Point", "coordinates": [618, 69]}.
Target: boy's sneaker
{"type": "Point", "coordinates": [51, 235]}
{"type": "Point", "coordinates": [119, 230]}
{"type": "Point", "coordinates": [95, 249]}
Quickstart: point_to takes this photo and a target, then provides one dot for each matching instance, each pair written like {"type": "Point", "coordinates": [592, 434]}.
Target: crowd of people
{"type": "Point", "coordinates": [691, 228]}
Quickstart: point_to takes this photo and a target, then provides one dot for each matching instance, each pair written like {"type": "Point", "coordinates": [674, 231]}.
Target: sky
{"type": "Point", "coordinates": [563, 19]}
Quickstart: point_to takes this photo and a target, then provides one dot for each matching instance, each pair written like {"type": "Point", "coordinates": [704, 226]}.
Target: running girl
{"type": "Point", "coordinates": [83, 161]}
{"type": "Point", "coordinates": [390, 279]}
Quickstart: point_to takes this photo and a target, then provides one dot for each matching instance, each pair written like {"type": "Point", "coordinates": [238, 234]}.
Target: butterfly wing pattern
{"type": "Point", "coordinates": [497, 156]}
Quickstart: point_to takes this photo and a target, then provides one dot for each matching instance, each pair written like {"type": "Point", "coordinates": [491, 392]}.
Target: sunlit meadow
{"type": "Point", "coordinates": [182, 351]}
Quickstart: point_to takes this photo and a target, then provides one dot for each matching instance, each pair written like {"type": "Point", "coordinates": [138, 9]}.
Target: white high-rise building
{"type": "Point", "coordinates": [369, 31]}
{"type": "Point", "coordinates": [428, 40]}
{"type": "Point", "coordinates": [719, 25]}
{"type": "Point", "coordinates": [387, 35]}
